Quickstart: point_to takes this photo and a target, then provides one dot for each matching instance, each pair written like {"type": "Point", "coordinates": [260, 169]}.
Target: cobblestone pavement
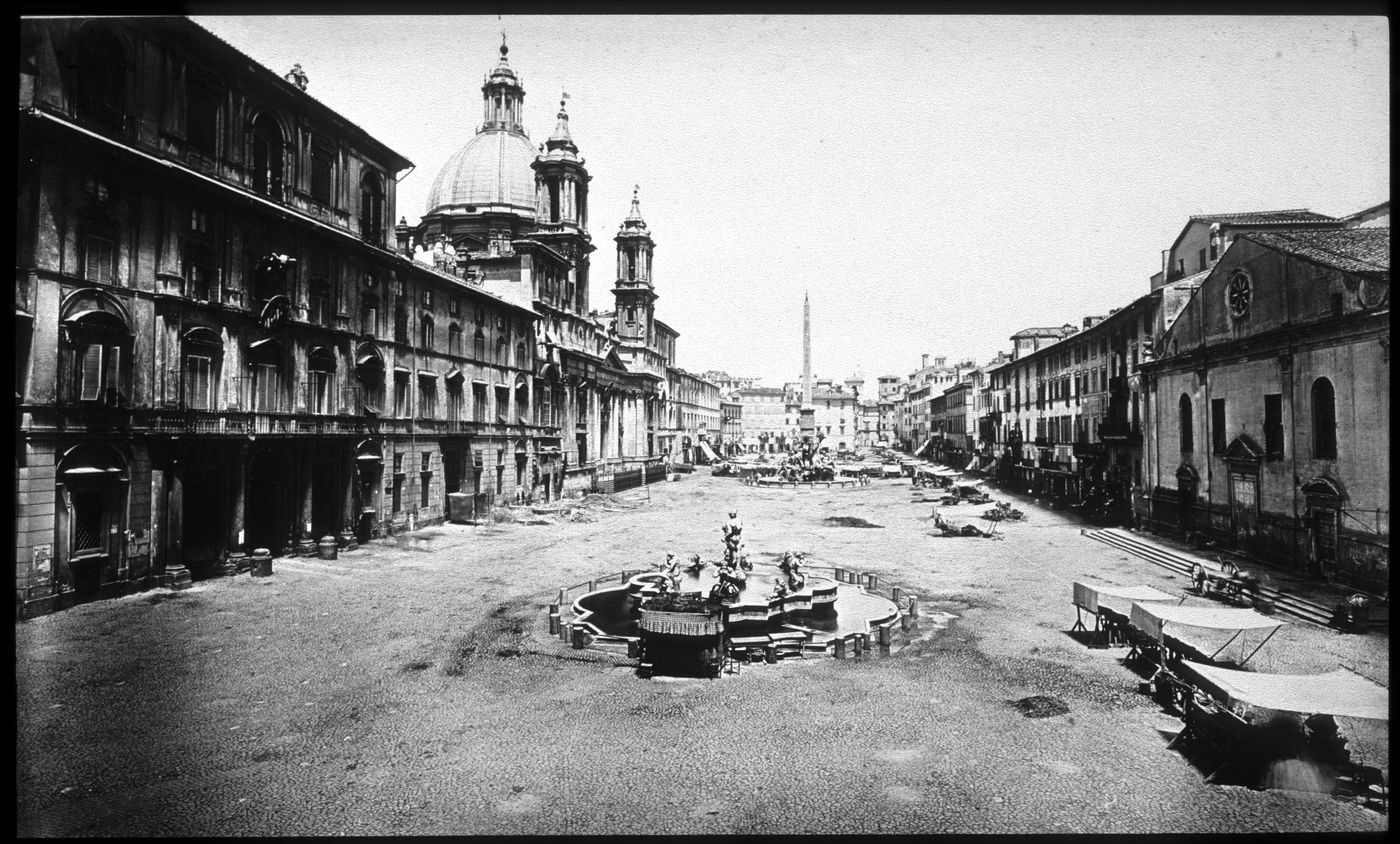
{"type": "Point", "coordinates": [412, 688]}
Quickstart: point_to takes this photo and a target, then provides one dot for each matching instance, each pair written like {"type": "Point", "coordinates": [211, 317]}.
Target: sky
{"type": "Point", "coordinates": [934, 184]}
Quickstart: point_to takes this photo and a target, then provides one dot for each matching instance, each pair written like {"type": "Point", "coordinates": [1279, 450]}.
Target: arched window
{"type": "Point", "coordinates": [267, 157]}
{"type": "Point", "coordinates": [95, 357]}
{"type": "Point", "coordinates": [372, 208]}
{"type": "Point", "coordinates": [265, 389]}
{"type": "Point", "coordinates": [101, 77]}
{"type": "Point", "coordinates": [369, 367]}
{"type": "Point", "coordinates": [202, 361]}
{"type": "Point", "coordinates": [1187, 442]}
{"type": "Point", "coordinates": [1324, 419]}
{"type": "Point", "coordinates": [320, 380]}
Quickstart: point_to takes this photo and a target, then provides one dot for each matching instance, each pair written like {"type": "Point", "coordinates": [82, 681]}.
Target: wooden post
{"type": "Point", "coordinates": [905, 622]}
{"type": "Point", "coordinates": [896, 593]}
{"type": "Point", "coordinates": [914, 606]}
{"type": "Point", "coordinates": [553, 623]}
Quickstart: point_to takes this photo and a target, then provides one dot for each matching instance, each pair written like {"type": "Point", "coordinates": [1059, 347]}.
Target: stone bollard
{"type": "Point", "coordinates": [885, 635]}
{"type": "Point", "coordinates": [634, 648]}
{"type": "Point", "coordinates": [235, 562]}
{"type": "Point", "coordinates": [913, 606]}
{"type": "Point", "coordinates": [905, 622]}
{"type": "Point", "coordinates": [858, 644]}
{"type": "Point", "coordinates": [896, 593]}
{"type": "Point", "coordinates": [840, 648]}
{"type": "Point", "coordinates": [770, 655]}
{"type": "Point", "coordinates": [346, 541]}
{"type": "Point", "coordinates": [326, 548]}
{"type": "Point", "coordinates": [872, 582]}
{"type": "Point", "coordinates": [262, 562]}
{"type": "Point", "coordinates": [579, 638]}
{"type": "Point", "coordinates": [564, 630]}
{"type": "Point", "coordinates": [554, 623]}
{"type": "Point", "coordinates": [840, 575]}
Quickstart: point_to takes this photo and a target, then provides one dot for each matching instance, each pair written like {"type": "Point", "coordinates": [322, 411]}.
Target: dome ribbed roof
{"type": "Point", "coordinates": [493, 169]}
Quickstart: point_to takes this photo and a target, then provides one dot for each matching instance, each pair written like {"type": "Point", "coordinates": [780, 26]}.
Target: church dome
{"type": "Point", "coordinates": [492, 172]}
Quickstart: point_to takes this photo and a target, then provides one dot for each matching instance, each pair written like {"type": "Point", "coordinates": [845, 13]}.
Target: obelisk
{"type": "Point", "coordinates": [806, 350]}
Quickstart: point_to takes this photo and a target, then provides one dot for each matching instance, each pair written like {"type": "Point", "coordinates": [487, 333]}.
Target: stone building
{"type": "Point", "coordinates": [835, 411]}
{"type": "Point", "coordinates": [764, 419]}
{"type": "Point", "coordinates": [731, 425]}
{"type": "Point", "coordinates": [1268, 411]}
{"type": "Point", "coordinates": [218, 347]}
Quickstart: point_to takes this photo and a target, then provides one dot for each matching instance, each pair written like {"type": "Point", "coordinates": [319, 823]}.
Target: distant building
{"type": "Point", "coordinates": [764, 419]}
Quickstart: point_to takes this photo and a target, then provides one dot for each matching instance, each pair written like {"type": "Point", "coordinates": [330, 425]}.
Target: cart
{"type": "Point", "coordinates": [681, 634]}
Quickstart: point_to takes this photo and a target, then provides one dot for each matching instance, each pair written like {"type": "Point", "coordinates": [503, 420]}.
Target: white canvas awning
{"type": "Point", "coordinates": [708, 452]}
{"type": "Point", "coordinates": [1339, 692]}
{"type": "Point", "coordinates": [1087, 595]}
{"type": "Point", "coordinates": [1153, 618]}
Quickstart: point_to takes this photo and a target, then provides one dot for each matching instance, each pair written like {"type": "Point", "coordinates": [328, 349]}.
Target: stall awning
{"type": "Point", "coordinates": [920, 449]}
{"type": "Point", "coordinates": [1152, 618]}
{"type": "Point", "coordinates": [1339, 692]}
{"type": "Point", "coordinates": [708, 452]}
{"type": "Point", "coordinates": [1087, 595]}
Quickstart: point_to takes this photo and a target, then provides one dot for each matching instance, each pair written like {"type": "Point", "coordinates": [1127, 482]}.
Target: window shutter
{"type": "Point", "coordinates": [90, 379]}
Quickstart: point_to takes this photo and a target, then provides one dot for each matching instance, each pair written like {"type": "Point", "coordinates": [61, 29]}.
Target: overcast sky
{"type": "Point", "coordinates": [934, 183]}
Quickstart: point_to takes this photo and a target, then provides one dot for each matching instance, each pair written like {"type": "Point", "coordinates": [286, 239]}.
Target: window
{"type": "Point", "coordinates": [99, 372]}
{"type": "Point", "coordinates": [401, 394]}
{"type": "Point", "coordinates": [267, 157]}
{"type": "Point", "coordinates": [478, 402]}
{"type": "Point", "coordinates": [454, 306]}
{"type": "Point", "coordinates": [400, 326]}
{"type": "Point", "coordinates": [1273, 425]}
{"type": "Point", "coordinates": [454, 339]}
{"type": "Point", "coordinates": [522, 402]}
{"type": "Point", "coordinates": [426, 478]}
{"type": "Point", "coordinates": [369, 315]}
{"type": "Point", "coordinates": [454, 400]}
{"type": "Point", "coordinates": [266, 387]}
{"type": "Point", "coordinates": [425, 332]}
{"type": "Point", "coordinates": [502, 403]}
{"type": "Point", "coordinates": [1201, 259]}
{"type": "Point", "coordinates": [372, 208]}
{"type": "Point", "coordinates": [87, 522]}
{"type": "Point", "coordinates": [199, 382]}
{"type": "Point", "coordinates": [101, 77]}
{"type": "Point", "coordinates": [371, 374]}
{"type": "Point", "coordinates": [201, 279]}
{"type": "Point", "coordinates": [100, 258]}
{"type": "Point", "coordinates": [398, 483]}
{"type": "Point", "coordinates": [1218, 431]}
{"type": "Point", "coordinates": [318, 302]}
{"type": "Point", "coordinates": [479, 344]}
{"type": "Point", "coordinates": [320, 371]}
{"type": "Point", "coordinates": [203, 99]}
{"type": "Point", "coordinates": [1324, 420]}
{"type": "Point", "coordinates": [427, 398]}
{"type": "Point", "coordinates": [1184, 425]}
{"type": "Point", "coordinates": [322, 170]}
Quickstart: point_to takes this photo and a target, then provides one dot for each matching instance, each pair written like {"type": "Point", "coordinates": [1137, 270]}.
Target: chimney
{"type": "Point", "coordinates": [923, 364]}
{"type": "Point", "coordinates": [1166, 256]}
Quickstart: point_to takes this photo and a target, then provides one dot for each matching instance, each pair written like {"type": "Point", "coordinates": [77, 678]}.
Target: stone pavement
{"type": "Point", "coordinates": [412, 688]}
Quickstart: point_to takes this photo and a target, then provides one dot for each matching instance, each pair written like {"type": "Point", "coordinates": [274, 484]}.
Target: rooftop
{"type": "Point", "coordinates": [1289, 215]}
{"type": "Point", "coordinates": [1059, 331]}
{"type": "Point", "coordinates": [1349, 250]}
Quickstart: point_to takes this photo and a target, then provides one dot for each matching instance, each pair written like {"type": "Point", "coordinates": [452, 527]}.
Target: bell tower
{"type": "Point", "coordinates": [561, 202]}
{"type": "Point", "coordinates": [633, 292]}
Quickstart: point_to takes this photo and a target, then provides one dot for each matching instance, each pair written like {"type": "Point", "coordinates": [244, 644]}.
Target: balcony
{"type": "Point", "coordinates": [1120, 433]}
{"type": "Point", "coordinates": [1044, 442]}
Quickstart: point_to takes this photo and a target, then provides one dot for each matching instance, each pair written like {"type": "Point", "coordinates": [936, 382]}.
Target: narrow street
{"type": "Point", "coordinates": [411, 687]}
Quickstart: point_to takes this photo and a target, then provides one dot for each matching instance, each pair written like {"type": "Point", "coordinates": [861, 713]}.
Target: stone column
{"type": "Point", "coordinates": [236, 560]}
{"type": "Point", "coordinates": [346, 540]}
{"type": "Point", "coordinates": [175, 575]}
{"type": "Point", "coordinates": [306, 543]}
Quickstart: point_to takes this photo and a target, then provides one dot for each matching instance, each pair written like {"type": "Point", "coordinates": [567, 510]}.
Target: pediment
{"type": "Point", "coordinates": [1243, 449]}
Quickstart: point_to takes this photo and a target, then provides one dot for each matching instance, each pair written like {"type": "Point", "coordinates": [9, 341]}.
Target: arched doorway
{"type": "Point", "coordinates": [369, 470]}
{"type": "Point", "coordinates": [1187, 482]}
{"type": "Point", "coordinates": [1324, 497]}
{"type": "Point", "coordinates": [90, 520]}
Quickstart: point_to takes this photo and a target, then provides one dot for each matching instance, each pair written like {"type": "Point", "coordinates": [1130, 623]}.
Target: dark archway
{"type": "Point", "coordinates": [267, 508]}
